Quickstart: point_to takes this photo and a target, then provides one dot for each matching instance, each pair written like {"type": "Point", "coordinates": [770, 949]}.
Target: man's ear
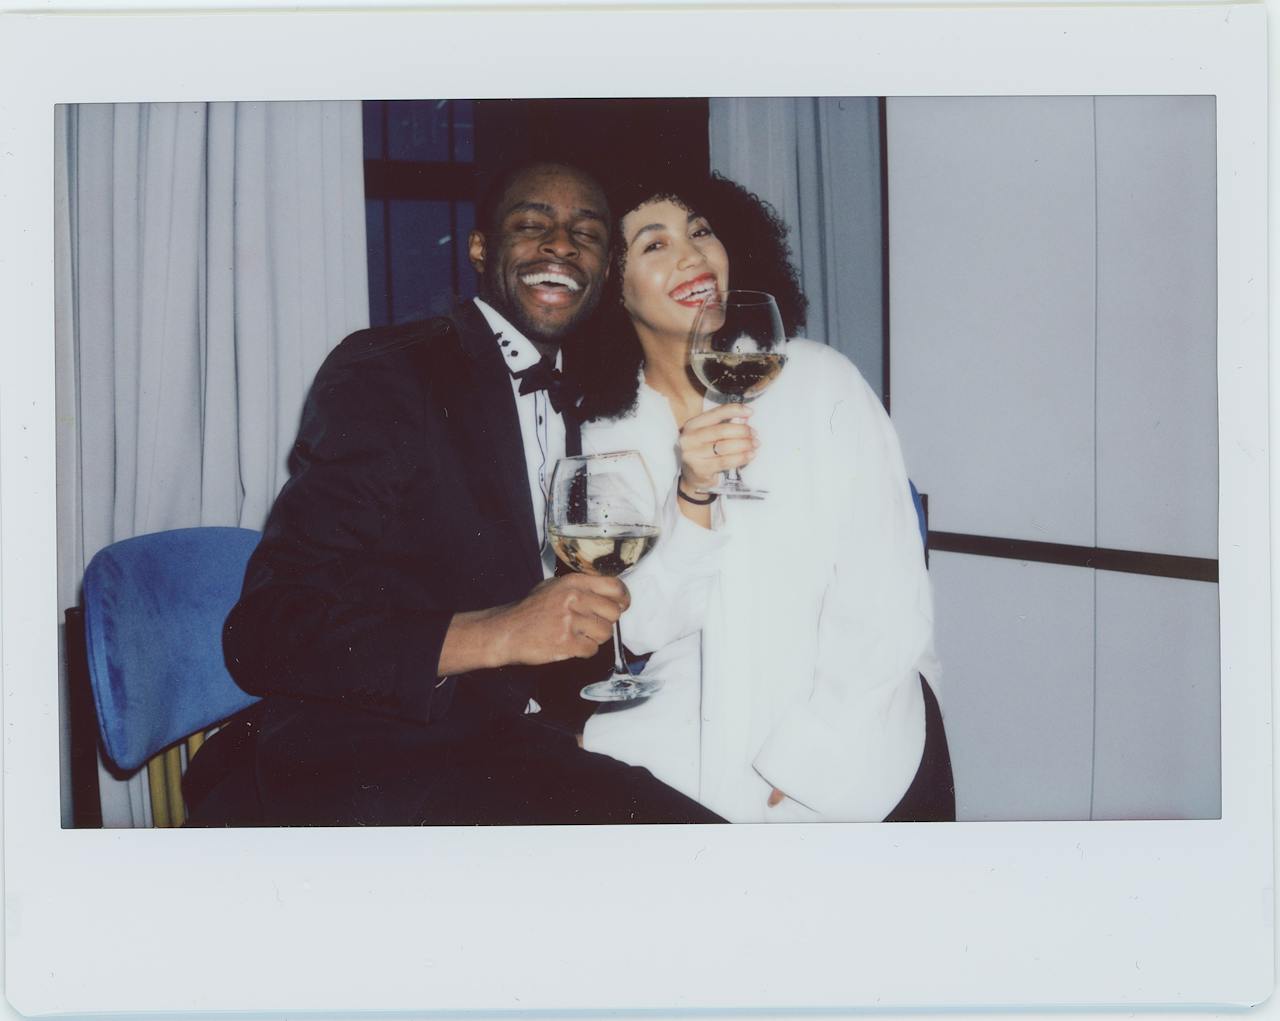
{"type": "Point", "coordinates": [476, 250]}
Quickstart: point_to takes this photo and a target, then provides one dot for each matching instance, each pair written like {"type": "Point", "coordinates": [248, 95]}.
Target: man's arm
{"type": "Point", "coordinates": [327, 612]}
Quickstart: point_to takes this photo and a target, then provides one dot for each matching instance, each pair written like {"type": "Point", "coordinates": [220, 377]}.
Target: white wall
{"type": "Point", "coordinates": [1052, 321]}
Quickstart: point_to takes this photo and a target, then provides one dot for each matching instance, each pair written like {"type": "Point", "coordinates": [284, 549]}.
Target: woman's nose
{"type": "Point", "coordinates": [690, 254]}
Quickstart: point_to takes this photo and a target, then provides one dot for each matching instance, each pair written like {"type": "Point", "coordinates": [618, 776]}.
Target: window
{"type": "Point", "coordinates": [419, 182]}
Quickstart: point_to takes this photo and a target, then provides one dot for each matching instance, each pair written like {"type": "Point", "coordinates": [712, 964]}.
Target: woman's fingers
{"type": "Point", "coordinates": [733, 452]}
{"type": "Point", "coordinates": [716, 441]}
{"type": "Point", "coordinates": [720, 413]}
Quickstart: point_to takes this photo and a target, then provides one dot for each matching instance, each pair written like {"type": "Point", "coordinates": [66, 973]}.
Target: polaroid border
{"type": "Point", "coordinates": [993, 916]}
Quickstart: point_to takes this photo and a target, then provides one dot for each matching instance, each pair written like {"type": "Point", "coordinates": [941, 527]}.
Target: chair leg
{"type": "Point", "coordinates": [173, 785]}
{"type": "Point", "coordinates": [159, 796]}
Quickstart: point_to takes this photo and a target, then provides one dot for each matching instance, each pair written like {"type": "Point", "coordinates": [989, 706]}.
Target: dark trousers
{"type": "Point", "coordinates": [323, 765]}
{"type": "Point", "coordinates": [932, 794]}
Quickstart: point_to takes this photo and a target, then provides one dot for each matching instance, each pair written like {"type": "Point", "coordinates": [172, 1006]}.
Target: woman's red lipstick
{"type": "Point", "coordinates": [693, 293]}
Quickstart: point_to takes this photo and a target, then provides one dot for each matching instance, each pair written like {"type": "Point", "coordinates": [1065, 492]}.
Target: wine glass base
{"type": "Point", "coordinates": [732, 492]}
{"type": "Point", "coordinates": [621, 688]}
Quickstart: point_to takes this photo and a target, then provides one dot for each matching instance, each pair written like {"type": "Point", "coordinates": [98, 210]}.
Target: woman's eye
{"type": "Point", "coordinates": [652, 246]}
{"type": "Point", "coordinates": [703, 232]}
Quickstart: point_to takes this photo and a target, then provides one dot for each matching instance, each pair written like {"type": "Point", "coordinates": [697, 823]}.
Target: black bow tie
{"type": "Point", "coordinates": [542, 375]}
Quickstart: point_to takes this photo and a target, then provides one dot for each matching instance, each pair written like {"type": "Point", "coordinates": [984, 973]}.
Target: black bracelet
{"type": "Point", "coordinates": [711, 497]}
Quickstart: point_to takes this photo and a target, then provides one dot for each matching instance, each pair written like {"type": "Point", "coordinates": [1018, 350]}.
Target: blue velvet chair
{"type": "Point", "coordinates": [154, 606]}
{"type": "Point", "coordinates": [922, 514]}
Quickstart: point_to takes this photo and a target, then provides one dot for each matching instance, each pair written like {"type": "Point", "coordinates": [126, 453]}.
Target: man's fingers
{"type": "Point", "coordinates": [593, 592]}
{"type": "Point", "coordinates": [589, 625]}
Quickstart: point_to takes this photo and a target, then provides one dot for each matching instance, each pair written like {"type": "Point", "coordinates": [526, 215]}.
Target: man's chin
{"type": "Point", "coordinates": [552, 330]}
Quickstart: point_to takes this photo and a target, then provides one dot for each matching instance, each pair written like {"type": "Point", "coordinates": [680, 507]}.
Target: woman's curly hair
{"type": "Point", "coordinates": [606, 359]}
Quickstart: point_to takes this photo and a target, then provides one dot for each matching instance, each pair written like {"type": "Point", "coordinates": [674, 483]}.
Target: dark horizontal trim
{"type": "Point", "coordinates": [1159, 565]}
{"type": "Point", "coordinates": [408, 179]}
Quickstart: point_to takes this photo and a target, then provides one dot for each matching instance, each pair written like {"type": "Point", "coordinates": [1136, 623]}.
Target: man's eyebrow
{"type": "Point", "coordinates": [529, 207]}
{"type": "Point", "coordinates": [548, 210]}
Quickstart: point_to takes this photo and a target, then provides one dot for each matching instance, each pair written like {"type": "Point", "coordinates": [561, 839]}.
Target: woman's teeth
{"type": "Point", "coordinates": [556, 279]}
{"type": "Point", "coordinates": [696, 294]}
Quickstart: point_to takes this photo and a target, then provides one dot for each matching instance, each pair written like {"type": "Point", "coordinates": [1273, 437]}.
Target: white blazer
{"type": "Point", "coordinates": [790, 634]}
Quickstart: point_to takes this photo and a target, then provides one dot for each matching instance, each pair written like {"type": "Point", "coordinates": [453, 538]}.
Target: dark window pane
{"type": "Point", "coordinates": [418, 130]}
{"type": "Point", "coordinates": [464, 132]}
{"type": "Point", "coordinates": [466, 217]}
{"type": "Point", "coordinates": [376, 242]}
{"type": "Point", "coordinates": [421, 254]}
{"type": "Point", "coordinates": [371, 111]}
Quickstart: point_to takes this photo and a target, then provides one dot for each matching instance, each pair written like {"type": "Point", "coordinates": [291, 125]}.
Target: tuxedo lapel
{"type": "Point", "coordinates": [483, 409]}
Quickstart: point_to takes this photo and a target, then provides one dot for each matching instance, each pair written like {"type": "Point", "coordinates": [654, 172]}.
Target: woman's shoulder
{"type": "Point", "coordinates": [812, 363]}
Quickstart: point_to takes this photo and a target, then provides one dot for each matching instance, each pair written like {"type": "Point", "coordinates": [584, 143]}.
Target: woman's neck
{"type": "Point", "coordinates": [666, 371]}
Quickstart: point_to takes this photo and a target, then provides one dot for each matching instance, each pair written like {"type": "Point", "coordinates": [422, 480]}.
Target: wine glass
{"type": "Point", "coordinates": [602, 518]}
{"type": "Point", "coordinates": [737, 347]}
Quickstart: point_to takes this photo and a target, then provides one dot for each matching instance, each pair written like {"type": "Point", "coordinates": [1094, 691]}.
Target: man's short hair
{"type": "Point", "coordinates": [493, 193]}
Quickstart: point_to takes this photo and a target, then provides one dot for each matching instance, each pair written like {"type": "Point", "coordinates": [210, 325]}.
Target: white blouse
{"type": "Point", "coordinates": [789, 635]}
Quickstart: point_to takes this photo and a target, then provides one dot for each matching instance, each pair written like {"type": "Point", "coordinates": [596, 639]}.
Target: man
{"type": "Point", "coordinates": [398, 616]}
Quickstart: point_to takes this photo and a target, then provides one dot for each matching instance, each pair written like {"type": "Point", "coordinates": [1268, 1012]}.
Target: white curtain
{"type": "Point", "coordinates": [817, 161]}
{"type": "Point", "coordinates": [209, 256]}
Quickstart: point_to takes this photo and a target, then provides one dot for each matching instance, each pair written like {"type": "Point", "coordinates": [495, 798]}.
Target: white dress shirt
{"type": "Point", "coordinates": [541, 427]}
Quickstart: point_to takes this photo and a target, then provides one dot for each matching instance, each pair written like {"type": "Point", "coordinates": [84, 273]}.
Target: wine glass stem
{"type": "Point", "coordinates": [619, 667]}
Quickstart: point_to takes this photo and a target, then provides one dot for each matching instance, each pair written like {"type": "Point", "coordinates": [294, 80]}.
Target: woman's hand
{"type": "Point", "coordinates": [712, 442]}
{"type": "Point", "coordinates": [776, 798]}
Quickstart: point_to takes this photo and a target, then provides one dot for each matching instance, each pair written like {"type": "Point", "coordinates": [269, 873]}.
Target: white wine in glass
{"type": "Point", "coordinates": [603, 518]}
{"type": "Point", "coordinates": [737, 348]}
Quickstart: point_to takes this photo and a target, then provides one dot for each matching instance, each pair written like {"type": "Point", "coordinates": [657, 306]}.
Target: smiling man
{"type": "Point", "coordinates": [400, 615]}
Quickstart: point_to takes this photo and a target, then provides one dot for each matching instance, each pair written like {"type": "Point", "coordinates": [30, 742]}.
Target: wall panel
{"type": "Point", "coordinates": [1158, 732]}
{"type": "Point", "coordinates": [1157, 329]}
{"type": "Point", "coordinates": [991, 255]}
{"type": "Point", "coordinates": [1016, 644]}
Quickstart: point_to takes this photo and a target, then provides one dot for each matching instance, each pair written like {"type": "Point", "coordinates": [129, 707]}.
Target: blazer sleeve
{"type": "Point", "coordinates": [321, 614]}
{"type": "Point", "coordinates": [670, 588]}
{"type": "Point", "coordinates": [850, 750]}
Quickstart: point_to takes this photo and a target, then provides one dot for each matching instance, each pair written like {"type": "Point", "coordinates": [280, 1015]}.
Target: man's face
{"type": "Point", "coordinates": [544, 263]}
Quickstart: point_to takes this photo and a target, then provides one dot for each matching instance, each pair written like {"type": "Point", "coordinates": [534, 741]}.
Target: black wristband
{"type": "Point", "coordinates": [711, 497]}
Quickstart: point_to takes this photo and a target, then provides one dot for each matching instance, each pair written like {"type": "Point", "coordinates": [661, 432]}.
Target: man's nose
{"type": "Point", "coordinates": [560, 242]}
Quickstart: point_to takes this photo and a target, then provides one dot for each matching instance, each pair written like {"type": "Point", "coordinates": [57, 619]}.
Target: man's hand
{"type": "Point", "coordinates": [776, 798]}
{"type": "Point", "coordinates": [561, 618]}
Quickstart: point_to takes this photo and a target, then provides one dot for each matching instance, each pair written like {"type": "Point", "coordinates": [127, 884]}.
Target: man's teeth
{"type": "Point", "coordinates": [550, 278]}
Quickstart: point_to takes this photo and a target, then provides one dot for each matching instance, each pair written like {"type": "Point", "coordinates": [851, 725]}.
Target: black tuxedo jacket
{"type": "Point", "coordinates": [408, 501]}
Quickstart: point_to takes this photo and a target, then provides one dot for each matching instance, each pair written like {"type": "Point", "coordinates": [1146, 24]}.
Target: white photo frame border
{"type": "Point", "coordinates": [994, 915]}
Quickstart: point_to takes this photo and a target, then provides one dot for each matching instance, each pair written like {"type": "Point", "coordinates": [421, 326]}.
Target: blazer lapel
{"type": "Point", "coordinates": [490, 432]}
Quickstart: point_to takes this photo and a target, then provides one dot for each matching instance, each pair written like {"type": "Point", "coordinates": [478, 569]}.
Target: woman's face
{"type": "Point", "coordinates": [673, 260]}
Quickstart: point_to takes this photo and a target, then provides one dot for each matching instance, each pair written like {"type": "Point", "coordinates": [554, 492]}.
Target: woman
{"type": "Point", "coordinates": [791, 632]}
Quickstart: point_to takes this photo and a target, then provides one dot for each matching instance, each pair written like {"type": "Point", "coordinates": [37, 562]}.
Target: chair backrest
{"type": "Point", "coordinates": [922, 516]}
{"type": "Point", "coordinates": [154, 606]}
